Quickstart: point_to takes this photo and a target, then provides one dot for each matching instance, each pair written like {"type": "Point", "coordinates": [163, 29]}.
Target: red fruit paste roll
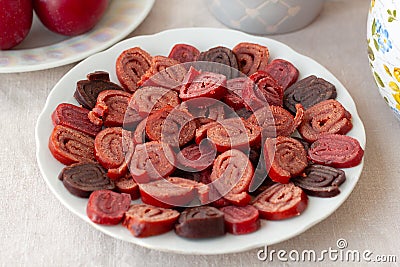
{"type": "Point", "coordinates": [152, 161]}
{"type": "Point", "coordinates": [172, 126]}
{"type": "Point", "coordinates": [131, 65]}
{"type": "Point", "coordinates": [231, 176]}
{"type": "Point", "coordinates": [74, 117]}
{"type": "Point", "coordinates": [285, 157]}
{"type": "Point", "coordinates": [107, 207]}
{"type": "Point", "coordinates": [109, 150]}
{"type": "Point", "coordinates": [71, 146]}
{"type": "Point", "coordinates": [144, 220]}
{"type": "Point", "coordinates": [328, 116]}
{"type": "Point", "coordinates": [184, 53]}
{"type": "Point", "coordinates": [251, 57]}
{"type": "Point", "coordinates": [234, 133]}
{"type": "Point", "coordinates": [321, 181]}
{"type": "Point", "coordinates": [200, 222]}
{"type": "Point", "coordinates": [223, 61]}
{"type": "Point", "coordinates": [150, 98]}
{"type": "Point", "coordinates": [164, 194]}
{"type": "Point", "coordinates": [202, 85]}
{"type": "Point", "coordinates": [277, 121]}
{"type": "Point", "coordinates": [197, 157]}
{"type": "Point", "coordinates": [173, 192]}
{"type": "Point", "coordinates": [284, 72]}
{"type": "Point", "coordinates": [81, 179]}
{"type": "Point", "coordinates": [233, 96]}
{"type": "Point", "coordinates": [281, 201]}
{"type": "Point", "coordinates": [164, 72]}
{"type": "Point", "coordinates": [110, 108]}
{"type": "Point", "coordinates": [202, 190]}
{"type": "Point", "coordinates": [241, 220]}
{"type": "Point", "coordinates": [335, 150]}
{"type": "Point", "coordinates": [263, 90]}
{"type": "Point", "coordinates": [127, 185]}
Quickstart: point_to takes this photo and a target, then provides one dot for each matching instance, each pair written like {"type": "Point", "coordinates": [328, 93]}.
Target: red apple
{"type": "Point", "coordinates": [70, 17]}
{"type": "Point", "coordinates": [15, 22]}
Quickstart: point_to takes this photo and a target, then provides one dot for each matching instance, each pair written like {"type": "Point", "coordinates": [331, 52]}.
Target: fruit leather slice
{"type": "Point", "coordinates": [184, 53]}
{"type": "Point", "coordinates": [151, 98]}
{"type": "Point", "coordinates": [251, 57]}
{"type": "Point", "coordinates": [87, 90]}
{"type": "Point", "coordinates": [328, 116]}
{"type": "Point", "coordinates": [308, 92]}
{"type": "Point", "coordinates": [285, 157]}
{"type": "Point", "coordinates": [321, 181]}
{"type": "Point", "coordinates": [231, 176]}
{"type": "Point", "coordinates": [281, 201]}
{"type": "Point", "coordinates": [81, 179]}
{"type": "Point", "coordinates": [173, 192]}
{"type": "Point", "coordinates": [110, 108]}
{"type": "Point", "coordinates": [201, 222]}
{"type": "Point", "coordinates": [264, 90]}
{"type": "Point", "coordinates": [277, 121]}
{"type": "Point", "coordinates": [109, 151]}
{"type": "Point", "coordinates": [144, 220]}
{"type": "Point", "coordinates": [71, 146]}
{"type": "Point", "coordinates": [107, 207]}
{"type": "Point", "coordinates": [335, 150]}
{"type": "Point", "coordinates": [130, 66]}
{"type": "Point", "coordinates": [284, 72]}
{"type": "Point", "coordinates": [164, 72]}
{"type": "Point", "coordinates": [233, 133]}
{"type": "Point", "coordinates": [198, 84]}
{"type": "Point", "coordinates": [172, 126]}
{"type": "Point", "coordinates": [224, 57]}
{"type": "Point", "coordinates": [74, 117]}
{"type": "Point", "coordinates": [233, 96]}
{"type": "Point", "coordinates": [152, 161]}
{"type": "Point", "coordinates": [127, 185]}
{"type": "Point", "coordinates": [241, 220]}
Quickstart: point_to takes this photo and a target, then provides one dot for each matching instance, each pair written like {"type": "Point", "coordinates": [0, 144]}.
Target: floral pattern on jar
{"type": "Point", "coordinates": [383, 38]}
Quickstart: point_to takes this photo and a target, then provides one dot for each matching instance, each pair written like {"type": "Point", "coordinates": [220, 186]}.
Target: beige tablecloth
{"type": "Point", "coordinates": [37, 230]}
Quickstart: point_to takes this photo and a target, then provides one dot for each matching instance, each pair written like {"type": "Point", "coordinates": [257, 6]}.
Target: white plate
{"type": "Point", "coordinates": [271, 232]}
{"type": "Point", "coordinates": [43, 49]}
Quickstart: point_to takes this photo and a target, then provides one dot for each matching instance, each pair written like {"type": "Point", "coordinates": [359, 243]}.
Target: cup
{"type": "Point", "coordinates": [265, 16]}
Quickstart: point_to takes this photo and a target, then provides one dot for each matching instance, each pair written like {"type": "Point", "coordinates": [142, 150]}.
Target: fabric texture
{"type": "Point", "coordinates": [37, 230]}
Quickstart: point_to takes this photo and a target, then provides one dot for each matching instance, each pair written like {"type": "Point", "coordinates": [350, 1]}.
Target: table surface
{"type": "Point", "coordinates": [37, 230]}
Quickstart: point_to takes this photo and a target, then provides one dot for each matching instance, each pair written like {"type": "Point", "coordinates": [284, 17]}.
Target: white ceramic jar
{"type": "Point", "coordinates": [265, 16]}
{"type": "Point", "coordinates": [383, 37]}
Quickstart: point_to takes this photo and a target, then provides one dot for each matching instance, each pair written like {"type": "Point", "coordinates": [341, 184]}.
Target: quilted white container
{"type": "Point", "coordinates": [265, 16]}
{"type": "Point", "coordinates": [383, 37]}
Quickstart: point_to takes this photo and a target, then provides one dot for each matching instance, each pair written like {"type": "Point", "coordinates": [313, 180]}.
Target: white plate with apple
{"type": "Point", "coordinates": [42, 48]}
